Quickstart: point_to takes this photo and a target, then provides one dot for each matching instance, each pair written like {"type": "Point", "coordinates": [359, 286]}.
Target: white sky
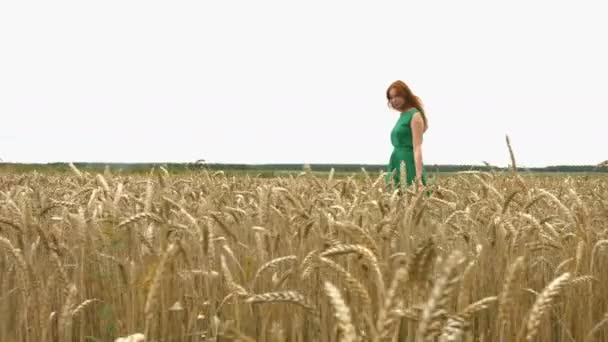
{"type": "Point", "coordinates": [301, 82]}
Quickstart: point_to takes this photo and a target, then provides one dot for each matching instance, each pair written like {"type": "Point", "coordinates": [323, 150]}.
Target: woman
{"type": "Point", "coordinates": [406, 136]}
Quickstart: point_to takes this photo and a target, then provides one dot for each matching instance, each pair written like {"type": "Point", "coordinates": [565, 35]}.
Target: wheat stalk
{"type": "Point", "coordinates": [293, 297]}
{"type": "Point", "coordinates": [342, 314]}
{"type": "Point", "coordinates": [435, 309]}
{"type": "Point", "coordinates": [543, 302]}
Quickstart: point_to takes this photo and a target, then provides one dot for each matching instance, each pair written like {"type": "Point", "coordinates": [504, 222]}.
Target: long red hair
{"type": "Point", "coordinates": [411, 100]}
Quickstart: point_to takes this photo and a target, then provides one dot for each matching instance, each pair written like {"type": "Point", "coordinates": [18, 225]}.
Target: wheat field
{"type": "Point", "coordinates": [202, 256]}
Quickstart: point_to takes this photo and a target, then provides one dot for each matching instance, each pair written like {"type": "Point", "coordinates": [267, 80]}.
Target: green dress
{"type": "Point", "coordinates": [403, 149]}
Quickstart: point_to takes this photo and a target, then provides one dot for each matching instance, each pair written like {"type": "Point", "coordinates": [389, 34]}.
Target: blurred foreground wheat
{"type": "Point", "coordinates": [206, 257]}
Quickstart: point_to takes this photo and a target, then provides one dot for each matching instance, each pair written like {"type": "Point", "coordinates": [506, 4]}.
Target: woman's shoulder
{"type": "Point", "coordinates": [408, 115]}
{"type": "Point", "coordinates": [417, 119]}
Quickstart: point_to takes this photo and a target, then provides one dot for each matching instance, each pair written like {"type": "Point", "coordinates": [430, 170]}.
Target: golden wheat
{"type": "Point", "coordinates": [201, 256]}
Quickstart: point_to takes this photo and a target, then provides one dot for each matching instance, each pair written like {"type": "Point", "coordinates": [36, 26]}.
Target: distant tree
{"type": "Point", "coordinates": [602, 165]}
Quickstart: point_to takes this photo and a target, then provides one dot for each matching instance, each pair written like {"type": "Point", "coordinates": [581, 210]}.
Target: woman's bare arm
{"type": "Point", "coordinates": [417, 125]}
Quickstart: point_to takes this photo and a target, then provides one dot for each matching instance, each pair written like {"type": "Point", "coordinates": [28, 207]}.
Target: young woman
{"type": "Point", "coordinates": [406, 136]}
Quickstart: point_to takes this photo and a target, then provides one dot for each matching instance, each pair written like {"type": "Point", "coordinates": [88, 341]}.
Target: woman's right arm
{"type": "Point", "coordinates": [417, 125]}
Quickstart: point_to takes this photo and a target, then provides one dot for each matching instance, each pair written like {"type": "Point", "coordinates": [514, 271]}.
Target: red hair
{"type": "Point", "coordinates": [411, 100]}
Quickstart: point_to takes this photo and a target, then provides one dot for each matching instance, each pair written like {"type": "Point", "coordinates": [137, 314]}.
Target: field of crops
{"type": "Point", "coordinates": [202, 256]}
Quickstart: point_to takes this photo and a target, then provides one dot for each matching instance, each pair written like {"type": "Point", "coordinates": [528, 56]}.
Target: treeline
{"type": "Point", "coordinates": [177, 167]}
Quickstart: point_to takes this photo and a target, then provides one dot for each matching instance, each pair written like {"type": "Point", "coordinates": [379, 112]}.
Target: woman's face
{"type": "Point", "coordinates": [396, 100]}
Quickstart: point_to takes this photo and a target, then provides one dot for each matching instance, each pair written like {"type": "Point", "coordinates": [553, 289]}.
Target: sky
{"type": "Point", "coordinates": [301, 81]}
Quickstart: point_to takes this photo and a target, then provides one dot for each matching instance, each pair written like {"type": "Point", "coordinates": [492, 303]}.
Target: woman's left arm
{"type": "Point", "coordinates": [417, 125]}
